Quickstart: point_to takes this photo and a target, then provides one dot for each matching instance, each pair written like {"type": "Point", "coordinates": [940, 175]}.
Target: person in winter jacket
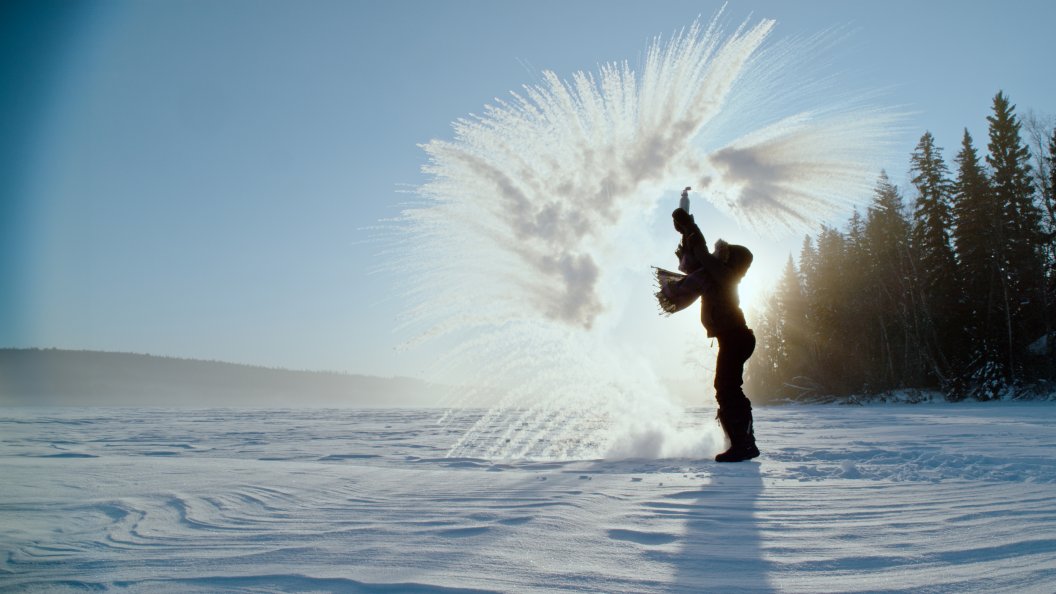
{"type": "Point", "coordinates": [714, 278]}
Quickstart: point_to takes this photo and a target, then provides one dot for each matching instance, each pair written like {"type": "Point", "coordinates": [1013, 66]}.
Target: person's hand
{"type": "Point", "coordinates": [682, 219]}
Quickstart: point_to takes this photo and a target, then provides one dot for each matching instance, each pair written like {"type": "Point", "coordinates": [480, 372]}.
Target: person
{"type": "Point", "coordinates": [714, 278]}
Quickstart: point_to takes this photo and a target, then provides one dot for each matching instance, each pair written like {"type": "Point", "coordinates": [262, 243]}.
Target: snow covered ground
{"type": "Point", "coordinates": [894, 498]}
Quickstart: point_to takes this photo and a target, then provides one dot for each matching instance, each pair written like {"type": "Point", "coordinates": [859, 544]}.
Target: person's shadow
{"type": "Point", "coordinates": [722, 546]}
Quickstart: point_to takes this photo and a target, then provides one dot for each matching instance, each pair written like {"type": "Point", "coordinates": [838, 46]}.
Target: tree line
{"type": "Point", "coordinates": [952, 290]}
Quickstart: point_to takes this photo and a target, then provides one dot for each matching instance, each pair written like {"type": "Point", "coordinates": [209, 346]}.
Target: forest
{"type": "Point", "coordinates": [947, 286]}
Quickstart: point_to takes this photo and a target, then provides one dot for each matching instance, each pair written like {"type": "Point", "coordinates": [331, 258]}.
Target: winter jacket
{"type": "Point", "coordinates": [720, 309]}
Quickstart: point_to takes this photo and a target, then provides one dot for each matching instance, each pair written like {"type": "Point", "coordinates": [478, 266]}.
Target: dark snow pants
{"type": "Point", "coordinates": [735, 346]}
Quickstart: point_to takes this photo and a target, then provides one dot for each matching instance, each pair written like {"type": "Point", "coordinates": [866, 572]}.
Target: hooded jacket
{"type": "Point", "coordinates": [720, 309]}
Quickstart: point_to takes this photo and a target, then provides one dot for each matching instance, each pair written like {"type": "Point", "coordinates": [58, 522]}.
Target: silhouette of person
{"type": "Point", "coordinates": [714, 278]}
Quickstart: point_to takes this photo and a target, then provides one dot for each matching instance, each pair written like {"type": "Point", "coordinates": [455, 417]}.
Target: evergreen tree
{"type": "Point", "coordinates": [855, 339]}
{"type": "Point", "coordinates": [1049, 204]}
{"type": "Point", "coordinates": [1050, 190]}
{"type": "Point", "coordinates": [855, 233]}
{"type": "Point", "coordinates": [886, 240]}
{"type": "Point", "coordinates": [808, 262]}
{"type": "Point", "coordinates": [1049, 240]}
{"type": "Point", "coordinates": [762, 369]}
{"type": "Point", "coordinates": [808, 266]}
{"type": "Point", "coordinates": [773, 369]}
{"type": "Point", "coordinates": [932, 256]}
{"type": "Point", "coordinates": [828, 309]}
{"type": "Point", "coordinates": [794, 327]}
{"type": "Point", "coordinates": [976, 228]}
{"type": "Point", "coordinates": [1019, 233]}
{"type": "Point", "coordinates": [974, 212]}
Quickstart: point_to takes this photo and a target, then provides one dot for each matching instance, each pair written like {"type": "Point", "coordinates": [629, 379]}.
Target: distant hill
{"type": "Point", "coordinates": [54, 377]}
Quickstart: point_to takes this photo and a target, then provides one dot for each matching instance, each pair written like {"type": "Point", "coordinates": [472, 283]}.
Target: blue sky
{"type": "Point", "coordinates": [200, 178]}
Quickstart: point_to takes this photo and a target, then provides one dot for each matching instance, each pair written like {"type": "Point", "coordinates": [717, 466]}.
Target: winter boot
{"type": "Point", "coordinates": [738, 427]}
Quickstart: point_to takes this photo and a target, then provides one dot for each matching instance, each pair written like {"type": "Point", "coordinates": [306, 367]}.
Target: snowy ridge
{"type": "Point", "coordinates": [58, 377]}
{"type": "Point", "coordinates": [926, 498]}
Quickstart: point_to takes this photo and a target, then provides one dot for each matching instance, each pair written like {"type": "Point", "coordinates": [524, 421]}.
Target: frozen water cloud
{"type": "Point", "coordinates": [525, 209]}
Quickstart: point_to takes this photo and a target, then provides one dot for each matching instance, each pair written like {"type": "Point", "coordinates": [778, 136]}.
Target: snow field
{"type": "Point", "coordinates": [927, 498]}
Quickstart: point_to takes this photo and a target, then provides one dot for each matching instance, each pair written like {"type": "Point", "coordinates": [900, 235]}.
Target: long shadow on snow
{"type": "Point", "coordinates": [722, 545]}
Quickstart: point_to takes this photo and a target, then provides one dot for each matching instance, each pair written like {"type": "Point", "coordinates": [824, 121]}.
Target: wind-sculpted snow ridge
{"type": "Point", "coordinates": [530, 226]}
{"type": "Point", "coordinates": [925, 498]}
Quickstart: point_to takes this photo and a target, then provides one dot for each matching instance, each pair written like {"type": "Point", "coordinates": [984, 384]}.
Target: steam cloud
{"type": "Point", "coordinates": [522, 205]}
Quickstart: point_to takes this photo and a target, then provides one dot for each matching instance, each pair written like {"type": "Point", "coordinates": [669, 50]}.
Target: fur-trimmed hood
{"type": "Point", "coordinates": [737, 257]}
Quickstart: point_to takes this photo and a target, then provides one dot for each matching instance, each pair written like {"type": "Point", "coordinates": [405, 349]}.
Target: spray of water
{"type": "Point", "coordinates": [517, 255]}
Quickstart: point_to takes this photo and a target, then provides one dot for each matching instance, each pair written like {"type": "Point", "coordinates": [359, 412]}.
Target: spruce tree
{"type": "Point", "coordinates": [777, 362]}
{"type": "Point", "coordinates": [794, 327]}
{"type": "Point", "coordinates": [887, 246]}
{"type": "Point", "coordinates": [855, 327]}
{"type": "Point", "coordinates": [1049, 205]}
{"type": "Point", "coordinates": [855, 232]}
{"type": "Point", "coordinates": [1020, 247]}
{"type": "Point", "coordinates": [829, 309]}
{"type": "Point", "coordinates": [977, 217]}
{"type": "Point", "coordinates": [932, 257]}
{"type": "Point", "coordinates": [808, 266]}
{"type": "Point", "coordinates": [808, 262]}
{"type": "Point", "coordinates": [761, 371]}
{"type": "Point", "coordinates": [1050, 193]}
{"type": "Point", "coordinates": [1049, 240]}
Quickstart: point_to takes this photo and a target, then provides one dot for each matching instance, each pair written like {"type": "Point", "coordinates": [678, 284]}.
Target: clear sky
{"type": "Point", "coordinates": [200, 178]}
